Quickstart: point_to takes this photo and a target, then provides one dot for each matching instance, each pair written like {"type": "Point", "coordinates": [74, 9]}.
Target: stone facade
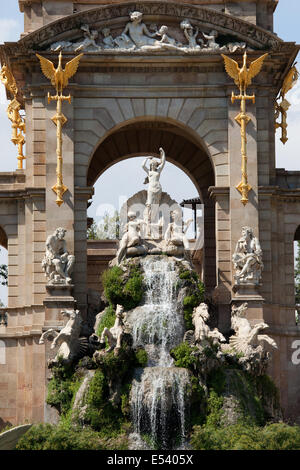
{"type": "Point", "coordinates": [128, 105]}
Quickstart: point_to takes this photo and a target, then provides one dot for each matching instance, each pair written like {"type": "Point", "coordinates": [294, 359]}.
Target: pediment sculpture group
{"type": "Point", "coordinates": [136, 36]}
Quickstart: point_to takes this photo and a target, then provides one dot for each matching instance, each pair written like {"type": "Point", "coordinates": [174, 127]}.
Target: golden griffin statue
{"type": "Point", "coordinates": [243, 78]}
{"type": "Point", "coordinates": [283, 106]}
{"type": "Point", "coordinates": [59, 78]}
{"type": "Point", "coordinates": [13, 113]}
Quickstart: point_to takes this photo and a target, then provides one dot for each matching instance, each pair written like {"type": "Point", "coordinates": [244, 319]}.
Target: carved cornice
{"type": "Point", "coordinates": [282, 194]}
{"type": "Point", "coordinates": [255, 36]}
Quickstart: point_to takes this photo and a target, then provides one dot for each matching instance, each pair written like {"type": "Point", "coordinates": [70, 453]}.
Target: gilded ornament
{"type": "Point", "coordinates": [59, 79]}
{"type": "Point", "coordinates": [13, 114]}
{"type": "Point", "coordinates": [243, 78]}
{"type": "Point", "coordinates": [282, 107]}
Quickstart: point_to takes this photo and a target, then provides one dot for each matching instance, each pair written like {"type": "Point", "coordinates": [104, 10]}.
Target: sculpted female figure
{"type": "Point", "coordinates": [153, 172]}
{"type": "Point", "coordinates": [131, 236]}
{"type": "Point", "coordinates": [138, 31]}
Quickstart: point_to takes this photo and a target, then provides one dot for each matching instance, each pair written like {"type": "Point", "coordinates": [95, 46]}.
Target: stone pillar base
{"type": "Point", "coordinates": [249, 293]}
{"type": "Point", "coordinates": [60, 299]}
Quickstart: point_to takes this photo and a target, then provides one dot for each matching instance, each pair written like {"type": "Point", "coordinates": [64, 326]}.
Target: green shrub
{"type": "Point", "coordinates": [97, 390]}
{"type": "Point", "coordinates": [279, 436]}
{"type": "Point", "coordinates": [183, 356]}
{"type": "Point", "coordinates": [107, 320]}
{"type": "Point", "coordinates": [141, 358]}
{"type": "Point", "coordinates": [63, 437]}
{"type": "Point", "coordinates": [195, 295]}
{"type": "Point", "coordinates": [121, 289]}
{"type": "Point", "coordinates": [62, 387]}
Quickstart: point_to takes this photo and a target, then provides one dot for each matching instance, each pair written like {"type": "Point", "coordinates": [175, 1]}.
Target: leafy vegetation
{"type": "Point", "coordinates": [195, 294]}
{"type": "Point", "coordinates": [107, 229]}
{"type": "Point", "coordinates": [62, 387]}
{"type": "Point", "coordinates": [67, 437]}
{"type": "Point", "coordinates": [107, 320]}
{"type": "Point", "coordinates": [244, 436]}
{"type": "Point", "coordinates": [122, 289]}
{"type": "Point", "coordinates": [183, 355]}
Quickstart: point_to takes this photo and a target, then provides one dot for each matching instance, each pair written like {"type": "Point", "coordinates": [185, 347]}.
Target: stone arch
{"type": "Point", "coordinates": [2, 352]}
{"type": "Point", "coordinates": [3, 238]}
{"type": "Point", "coordinates": [140, 137]}
{"type": "Point", "coordinates": [201, 121]}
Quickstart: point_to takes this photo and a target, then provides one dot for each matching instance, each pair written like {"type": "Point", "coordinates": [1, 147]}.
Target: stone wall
{"type": "Point", "coordinates": [38, 13]}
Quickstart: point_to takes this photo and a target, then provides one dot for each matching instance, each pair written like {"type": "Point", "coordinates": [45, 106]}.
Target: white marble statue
{"type": "Point", "coordinates": [57, 262]}
{"type": "Point", "coordinates": [247, 339]}
{"type": "Point", "coordinates": [247, 258]}
{"type": "Point", "coordinates": [203, 332]}
{"type": "Point", "coordinates": [87, 44]}
{"type": "Point", "coordinates": [137, 37]}
{"type": "Point", "coordinates": [137, 31]}
{"type": "Point", "coordinates": [191, 36]}
{"type": "Point", "coordinates": [131, 237]}
{"type": "Point", "coordinates": [154, 172]}
{"type": "Point", "coordinates": [212, 45]}
{"type": "Point", "coordinates": [108, 40]}
{"type": "Point", "coordinates": [154, 187]}
{"type": "Point", "coordinates": [236, 46]}
{"type": "Point", "coordinates": [175, 234]}
{"type": "Point", "coordinates": [67, 340]}
{"type": "Point", "coordinates": [115, 334]}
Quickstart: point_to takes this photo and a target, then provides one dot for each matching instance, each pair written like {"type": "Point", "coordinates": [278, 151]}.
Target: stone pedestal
{"type": "Point", "coordinates": [60, 297]}
{"type": "Point", "coordinates": [249, 293]}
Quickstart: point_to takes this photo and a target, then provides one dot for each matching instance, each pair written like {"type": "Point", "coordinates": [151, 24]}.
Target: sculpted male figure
{"type": "Point", "coordinates": [57, 262]}
{"type": "Point", "coordinates": [247, 258]}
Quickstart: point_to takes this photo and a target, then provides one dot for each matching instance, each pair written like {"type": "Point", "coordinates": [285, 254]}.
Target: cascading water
{"type": "Point", "coordinates": [158, 396]}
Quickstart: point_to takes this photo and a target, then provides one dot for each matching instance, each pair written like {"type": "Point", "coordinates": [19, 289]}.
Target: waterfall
{"type": "Point", "coordinates": [158, 396]}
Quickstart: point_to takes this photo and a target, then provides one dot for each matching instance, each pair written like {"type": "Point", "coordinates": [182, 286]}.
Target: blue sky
{"type": "Point", "coordinates": [174, 181]}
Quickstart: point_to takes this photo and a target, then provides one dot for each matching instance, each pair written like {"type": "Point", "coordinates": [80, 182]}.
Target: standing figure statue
{"type": "Point", "coordinates": [247, 258]}
{"type": "Point", "coordinates": [154, 188]}
{"type": "Point", "coordinates": [57, 263]}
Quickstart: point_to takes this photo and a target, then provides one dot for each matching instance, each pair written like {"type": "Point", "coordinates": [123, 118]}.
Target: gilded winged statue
{"type": "Point", "coordinates": [59, 77]}
{"type": "Point", "coordinates": [243, 76]}
{"type": "Point", "coordinates": [8, 80]}
{"type": "Point", "coordinates": [289, 81]}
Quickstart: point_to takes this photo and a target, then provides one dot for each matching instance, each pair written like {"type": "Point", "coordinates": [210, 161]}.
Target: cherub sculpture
{"type": "Point", "coordinates": [191, 36]}
{"type": "Point", "coordinates": [57, 262]}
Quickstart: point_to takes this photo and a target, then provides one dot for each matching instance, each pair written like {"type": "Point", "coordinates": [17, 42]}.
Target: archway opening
{"type": "Point", "coordinates": [144, 138]}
